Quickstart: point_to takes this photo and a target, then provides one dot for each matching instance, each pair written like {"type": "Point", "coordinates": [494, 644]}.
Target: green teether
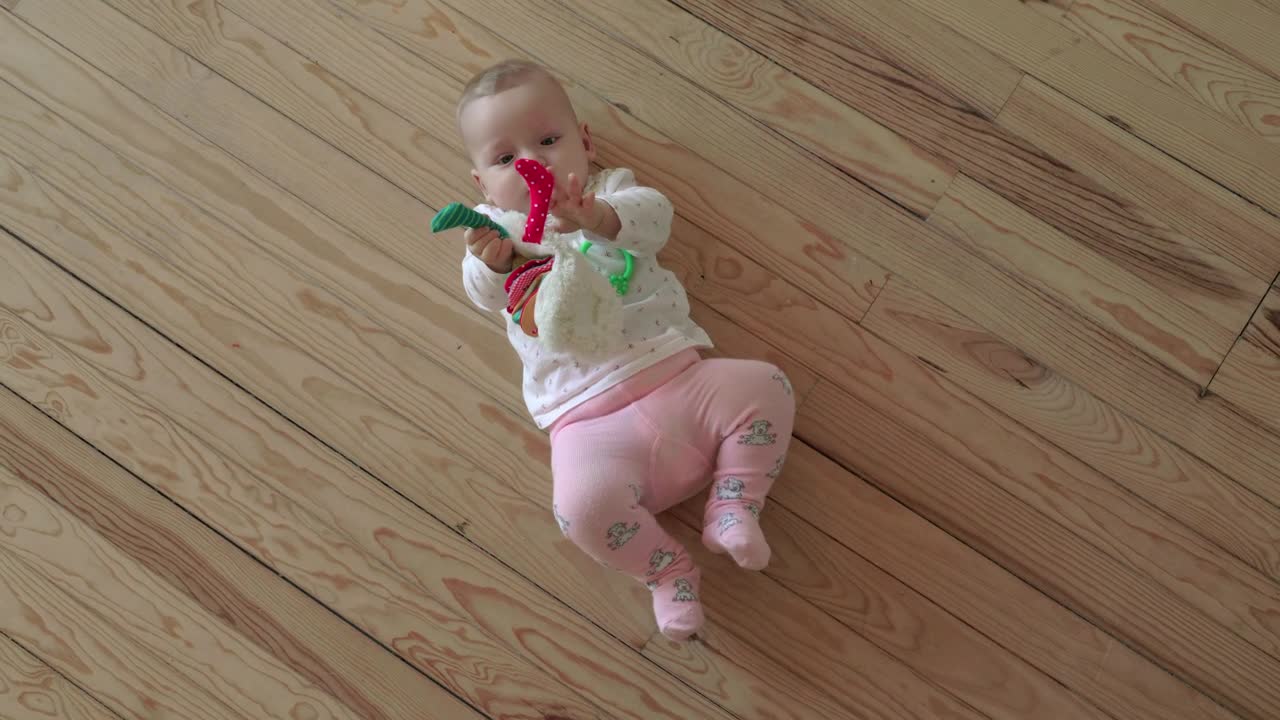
{"type": "Point", "coordinates": [458, 215]}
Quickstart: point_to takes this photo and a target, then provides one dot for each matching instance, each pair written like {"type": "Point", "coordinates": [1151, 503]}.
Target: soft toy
{"type": "Point", "coordinates": [556, 295]}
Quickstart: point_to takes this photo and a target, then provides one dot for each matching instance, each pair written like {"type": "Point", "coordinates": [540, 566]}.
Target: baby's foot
{"type": "Point", "coordinates": [737, 531]}
{"type": "Point", "coordinates": [676, 606]}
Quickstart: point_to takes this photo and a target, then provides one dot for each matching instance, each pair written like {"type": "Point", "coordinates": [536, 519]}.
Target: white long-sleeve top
{"type": "Point", "coordinates": [655, 324]}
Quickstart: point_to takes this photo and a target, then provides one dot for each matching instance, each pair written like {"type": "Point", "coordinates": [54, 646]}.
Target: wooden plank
{"type": "Point", "coordinates": [815, 645]}
{"type": "Point", "coordinates": [1180, 57]}
{"type": "Point", "coordinates": [105, 659]}
{"type": "Point", "coordinates": [1138, 385]}
{"type": "Point", "coordinates": [831, 130]}
{"type": "Point", "coordinates": [273, 234]}
{"type": "Point", "coordinates": [521, 522]}
{"type": "Point", "coordinates": [255, 601]}
{"type": "Point", "coordinates": [453, 588]}
{"type": "Point", "coordinates": [1053, 9]}
{"type": "Point", "coordinates": [981, 593]}
{"type": "Point", "coordinates": [826, 345]}
{"type": "Point", "coordinates": [1175, 331]}
{"type": "Point", "coordinates": [832, 346]}
{"type": "Point", "coordinates": [901, 37]}
{"type": "Point", "coordinates": [31, 689]}
{"type": "Point", "coordinates": [870, 669]}
{"type": "Point", "coordinates": [386, 217]}
{"type": "Point", "coordinates": [1132, 389]}
{"type": "Point", "coordinates": [1180, 205]}
{"type": "Point", "coordinates": [751, 219]}
{"type": "Point", "coordinates": [1250, 375]}
{"type": "Point", "coordinates": [1180, 631]}
{"type": "Point", "coordinates": [900, 621]}
{"type": "Point", "coordinates": [1273, 5]}
{"type": "Point", "coordinates": [1083, 203]}
{"type": "Point", "coordinates": [1245, 28]}
{"type": "Point", "coordinates": [775, 670]}
{"type": "Point", "coordinates": [1113, 87]}
{"type": "Point", "coordinates": [112, 589]}
{"type": "Point", "coordinates": [1069, 416]}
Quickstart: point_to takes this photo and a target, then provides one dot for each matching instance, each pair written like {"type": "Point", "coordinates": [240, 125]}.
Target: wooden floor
{"type": "Point", "coordinates": [260, 457]}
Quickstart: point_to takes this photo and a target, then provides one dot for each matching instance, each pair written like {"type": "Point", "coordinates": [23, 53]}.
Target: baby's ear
{"type": "Point", "coordinates": [587, 143]}
{"type": "Point", "coordinates": [475, 178]}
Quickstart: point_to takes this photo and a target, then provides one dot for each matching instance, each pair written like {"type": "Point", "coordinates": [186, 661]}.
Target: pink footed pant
{"type": "Point", "coordinates": [653, 442]}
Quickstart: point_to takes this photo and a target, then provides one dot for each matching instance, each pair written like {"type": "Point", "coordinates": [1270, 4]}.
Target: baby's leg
{"type": "Point", "coordinates": [754, 411]}
{"type": "Point", "coordinates": [601, 469]}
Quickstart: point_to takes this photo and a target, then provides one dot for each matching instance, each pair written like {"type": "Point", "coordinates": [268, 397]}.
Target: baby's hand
{"type": "Point", "coordinates": [579, 211]}
{"type": "Point", "coordinates": [493, 250]}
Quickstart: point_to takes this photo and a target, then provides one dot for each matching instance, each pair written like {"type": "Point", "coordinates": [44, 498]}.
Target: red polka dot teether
{"type": "Point", "coordinates": [541, 184]}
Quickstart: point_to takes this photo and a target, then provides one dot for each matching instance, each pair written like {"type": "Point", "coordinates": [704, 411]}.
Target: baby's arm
{"type": "Point", "coordinates": [630, 216]}
{"type": "Point", "coordinates": [483, 285]}
{"type": "Point", "coordinates": [486, 266]}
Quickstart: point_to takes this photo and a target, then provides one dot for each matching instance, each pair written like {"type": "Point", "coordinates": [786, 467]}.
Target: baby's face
{"type": "Point", "coordinates": [531, 120]}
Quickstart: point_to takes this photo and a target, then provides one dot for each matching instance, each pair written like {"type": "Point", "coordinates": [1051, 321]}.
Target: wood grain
{"type": "Point", "coordinates": [1250, 375]}
{"type": "Point", "coordinates": [955, 278]}
{"type": "Point", "coordinates": [1179, 631]}
{"type": "Point", "coordinates": [385, 217]}
{"type": "Point", "coordinates": [540, 514]}
{"type": "Point", "coordinates": [1180, 57]}
{"type": "Point", "coordinates": [897, 35]}
{"type": "Point", "coordinates": [1112, 87]}
{"type": "Point", "coordinates": [900, 621]}
{"type": "Point", "coordinates": [348, 49]}
{"type": "Point", "coordinates": [832, 345]}
{"type": "Point", "coordinates": [267, 221]}
{"type": "Point", "coordinates": [481, 519]}
{"type": "Point", "coordinates": [384, 382]}
{"type": "Point", "coordinates": [1176, 331]}
{"type": "Point", "coordinates": [470, 502]}
{"type": "Point", "coordinates": [879, 669]}
{"type": "Point", "coordinates": [837, 673]}
{"type": "Point", "coordinates": [981, 593]}
{"type": "Point", "coordinates": [31, 689]}
{"type": "Point", "coordinates": [117, 591]}
{"type": "Point", "coordinates": [467, 589]}
{"type": "Point", "coordinates": [103, 658]}
{"type": "Point", "coordinates": [1085, 205]}
{"type": "Point", "coordinates": [318, 644]}
{"type": "Point", "coordinates": [1224, 238]}
{"type": "Point", "coordinates": [764, 661]}
{"type": "Point", "coordinates": [1245, 28]}
{"type": "Point", "coordinates": [1069, 416]}
{"type": "Point", "coordinates": [809, 254]}
{"type": "Point", "coordinates": [1106, 368]}
{"type": "Point", "coordinates": [1052, 9]}
{"type": "Point", "coordinates": [982, 439]}
{"type": "Point", "coordinates": [831, 357]}
{"type": "Point", "coordinates": [831, 130]}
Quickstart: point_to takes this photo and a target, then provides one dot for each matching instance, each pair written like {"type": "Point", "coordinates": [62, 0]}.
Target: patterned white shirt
{"type": "Point", "coordinates": [656, 322]}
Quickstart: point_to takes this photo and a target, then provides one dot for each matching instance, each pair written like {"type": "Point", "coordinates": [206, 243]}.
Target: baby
{"type": "Point", "coordinates": [636, 434]}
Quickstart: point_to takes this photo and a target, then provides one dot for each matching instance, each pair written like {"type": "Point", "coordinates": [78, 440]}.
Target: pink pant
{"type": "Point", "coordinates": [654, 441]}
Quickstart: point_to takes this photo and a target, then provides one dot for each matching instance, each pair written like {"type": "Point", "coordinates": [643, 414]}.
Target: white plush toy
{"type": "Point", "coordinates": [557, 295]}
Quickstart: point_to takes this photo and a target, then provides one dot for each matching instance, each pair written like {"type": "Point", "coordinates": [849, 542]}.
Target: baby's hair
{"type": "Point", "coordinates": [502, 76]}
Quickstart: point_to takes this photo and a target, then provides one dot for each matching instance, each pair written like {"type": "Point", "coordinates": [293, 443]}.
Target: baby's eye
{"type": "Point", "coordinates": [547, 141]}
{"type": "Point", "coordinates": [506, 159]}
